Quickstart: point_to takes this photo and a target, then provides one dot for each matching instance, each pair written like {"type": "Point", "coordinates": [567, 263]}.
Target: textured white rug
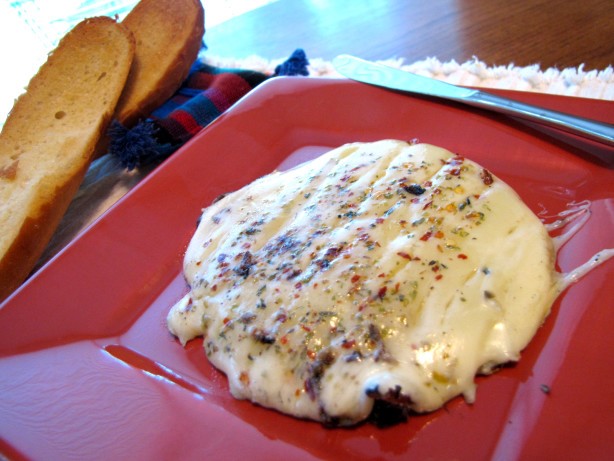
{"type": "Point", "coordinates": [596, 84]}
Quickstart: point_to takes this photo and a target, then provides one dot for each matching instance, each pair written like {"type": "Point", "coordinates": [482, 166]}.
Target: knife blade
{"type": "Point", "coordinates": [396, 79]}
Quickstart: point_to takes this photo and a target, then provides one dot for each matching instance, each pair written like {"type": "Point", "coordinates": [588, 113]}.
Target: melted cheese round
{"type": "Point", "coordinates": [378, 272]}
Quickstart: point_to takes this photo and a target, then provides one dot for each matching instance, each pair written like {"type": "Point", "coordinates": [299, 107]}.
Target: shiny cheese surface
{"type": "Point", "coordinates": [383, 271]}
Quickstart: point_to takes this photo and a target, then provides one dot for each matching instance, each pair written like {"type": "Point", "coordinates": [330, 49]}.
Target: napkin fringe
{"type": "Point", "coordinates": [138, 145]}
{"type": "Point", "coordinates": [296, 64]}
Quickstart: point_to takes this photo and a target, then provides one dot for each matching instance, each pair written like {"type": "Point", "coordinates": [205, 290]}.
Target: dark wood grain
{"type": "Point", "coordinates": [559, 33]}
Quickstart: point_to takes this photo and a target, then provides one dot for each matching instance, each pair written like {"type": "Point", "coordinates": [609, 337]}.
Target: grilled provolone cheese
{"type": "Point", "coordinates": [379, 272]}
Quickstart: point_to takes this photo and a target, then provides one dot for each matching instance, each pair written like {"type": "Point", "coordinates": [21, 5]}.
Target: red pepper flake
{"type": "Point", "coordinates": [295, 273]}
{"type": "Point", "coordinates": [427, 235]}
{"type": "Point", "coordinates": [311, 354]}
{"type": "Point", "coordinates": [281, 317]}
{"type": "Point", "coordinates": [188, 305]}
{"type": "Point", "coordinates": [379, 220]}
{"type": "Point", "coordinates": [244, 378]}
{"type": "Point", "coordinates": [461, 256]}
{"type": "Point", "coordinates": [439, 234]}
{"type": "Point", "coordinates": [382, 275]}
{"type": "Point", "coordinates": [486, 177]}
{"type": "Point", "coordinates": [348, 344]}
{"type": "Point", "coordinates": [455, 171]}
{"type": "Point", "coordinates": [404, 255]}
{"type": "Point", "coordinates": [226, 320]}
{"type": "Point", "coordinates": [284, 339]}
{"type": "Point", "coordinates": [305, 328]}
{"type": "Point", "coordinates": [427, 205]}
{"type": "Point", "coordinates": [355, 278]}
{"type": "Point", "coordinates": [382, 292]}
{"type": "Point", "coordinates": [214, 287]}
{"type": "Point", "coordinates": [438, 276]}
{"type": "Point", "coordinates": [396, 287]}
{"type": "Point", "coordinates": [298, 285]}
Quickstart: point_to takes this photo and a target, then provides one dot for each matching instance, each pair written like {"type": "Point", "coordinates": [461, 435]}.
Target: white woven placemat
{"type": "Point", "coordinates": [596, 84]}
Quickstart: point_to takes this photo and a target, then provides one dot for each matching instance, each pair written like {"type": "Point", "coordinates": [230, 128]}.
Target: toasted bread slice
{"type": "Point", "coordinates": [168, 37]}
{"type": "Point", "coordinates": [48, 139]}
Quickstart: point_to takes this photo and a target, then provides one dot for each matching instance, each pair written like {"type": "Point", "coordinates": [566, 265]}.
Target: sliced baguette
{"type": "Point", "coordinates": [168, 35]}
{"type": "Point", "coordinates": [49, 137]}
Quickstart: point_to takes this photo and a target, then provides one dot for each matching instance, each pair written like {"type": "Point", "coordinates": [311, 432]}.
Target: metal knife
{"type": "Point", "coordinates": [389, 77]}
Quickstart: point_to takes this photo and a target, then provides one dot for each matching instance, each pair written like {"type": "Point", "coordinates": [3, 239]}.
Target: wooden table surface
{"type": "Point", "coordinates": [559, 33]}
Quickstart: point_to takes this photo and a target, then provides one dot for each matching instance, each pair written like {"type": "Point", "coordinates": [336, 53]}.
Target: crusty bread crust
{"type": "Point", "coordinates": [168, 35]}
{"type": "Point", "coordinates": [48, 139]}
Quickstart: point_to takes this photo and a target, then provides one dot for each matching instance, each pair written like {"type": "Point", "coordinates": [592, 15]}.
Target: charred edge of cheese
{"type": "Point", "coordinates": [382, 271]}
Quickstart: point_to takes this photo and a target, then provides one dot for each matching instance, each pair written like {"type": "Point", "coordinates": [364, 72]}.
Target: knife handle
{"type": "Point", "coordinates": [592, 129]}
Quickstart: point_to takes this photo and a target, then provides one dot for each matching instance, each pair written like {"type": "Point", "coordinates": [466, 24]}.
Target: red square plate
{"type": "Point", "coordinates": [89, 371]}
